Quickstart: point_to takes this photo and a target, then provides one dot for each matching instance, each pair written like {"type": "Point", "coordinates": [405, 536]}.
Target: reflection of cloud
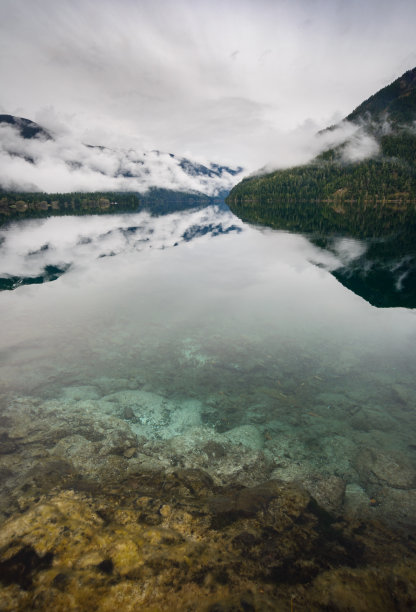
{"type": "Point", "coordinates": [62, 164]}
{"type": "Point", "coordinates": [27, 247]}
{"type": "Point", "coordinates": [348, 249]}
{"type": "Point", "coordinates": [340, 253]}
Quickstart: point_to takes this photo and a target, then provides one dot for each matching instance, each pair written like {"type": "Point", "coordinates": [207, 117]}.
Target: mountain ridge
{"type": "Point", "coordinates": [395, 100]}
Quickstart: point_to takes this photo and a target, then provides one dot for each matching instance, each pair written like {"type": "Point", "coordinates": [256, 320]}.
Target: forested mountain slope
{"type": "Point", "coordinates": [368, 197]}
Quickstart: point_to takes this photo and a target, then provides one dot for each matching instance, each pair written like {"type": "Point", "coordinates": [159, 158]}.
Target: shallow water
{"type": "Point", "coordinates": [195, 340]}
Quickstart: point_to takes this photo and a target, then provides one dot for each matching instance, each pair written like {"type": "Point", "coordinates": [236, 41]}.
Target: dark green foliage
{"type": "Point", "coordinates": [370, 198]}
{"type": "Point", "coordinates": [400, 145]}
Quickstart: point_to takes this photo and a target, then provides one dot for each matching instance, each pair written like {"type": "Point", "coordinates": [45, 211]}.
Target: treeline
{"type": "Point", "coordinates": [20, 205]}
{"type": "Point", "coordinates": [369, 198]}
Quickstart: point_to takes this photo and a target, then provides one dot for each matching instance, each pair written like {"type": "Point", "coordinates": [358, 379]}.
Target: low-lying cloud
{"type": "Point", "coordinates": [354, 143]}
{"type": "Point", "coordinates": [61, 164]}
{"type": "Point", "coordinates": [360, 146]}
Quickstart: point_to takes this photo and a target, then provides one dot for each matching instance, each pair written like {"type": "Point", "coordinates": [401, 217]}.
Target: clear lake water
{"type": "Point", "coordinates": [212, 343]}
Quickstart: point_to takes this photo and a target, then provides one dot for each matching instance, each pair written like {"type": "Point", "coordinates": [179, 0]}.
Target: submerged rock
{"type": "Point", "coordinates": [379, 467]}
{"type": "Point", "coordinates": [84, 392]}
{"type": "Point", "coordinates": [357, 502]}
{"type": "Point", "coordinates": [179, 542]}
{"type": "Point", "coordinates": [328, 491]}
{"type": "Point", "coordinates": [247, 435]}
{"type": "Point", "coordinates": [6, 445]}
{"type": "Point", "coordinates": [98, 517]}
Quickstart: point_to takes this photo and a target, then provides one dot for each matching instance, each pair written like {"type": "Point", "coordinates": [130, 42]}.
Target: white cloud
{"type": "Point", "coordinates": [360, 147]}
{"type": "Point", "coordinates": [305, 143]}
{"type": "Point", "coordinates": [226, 81]}
{"type": "Point", "coordinates": [63, 164]}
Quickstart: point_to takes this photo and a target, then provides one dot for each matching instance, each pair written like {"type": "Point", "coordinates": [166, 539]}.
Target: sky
{"type": "Point", "coordinates": [242, 82]}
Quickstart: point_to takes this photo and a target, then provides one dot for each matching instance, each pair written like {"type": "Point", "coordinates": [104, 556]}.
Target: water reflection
{"type": "Point", "coordinates": [194, 329]}
{"type": "Point", "coordinates": [383, 273]}
{"type": "Point", "coordinates": [37, 249]}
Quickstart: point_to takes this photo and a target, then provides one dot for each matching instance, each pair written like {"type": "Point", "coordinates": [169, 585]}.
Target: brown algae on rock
{"type": "Point", "coordinates": [155, 542]}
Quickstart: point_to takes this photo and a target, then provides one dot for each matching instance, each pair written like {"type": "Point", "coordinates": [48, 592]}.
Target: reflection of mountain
{"type": "Point", "coordinates": [382, 285]}
{"type": "Point", "coordinates": [365, 186]}
{"type": "Point", "coordinates": [87, 239]}
{"type": "Point", "coordinates": [165, 201]}
{"type": "Point", "coordinates": [49, 273]}
{"type": "Point", "coordinates": [213, 229]}
{"type": "Point", "coordinates": [384, 274]}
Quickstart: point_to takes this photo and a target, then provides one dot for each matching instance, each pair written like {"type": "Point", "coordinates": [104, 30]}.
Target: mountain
{"type": "Point", "coordinates": [26, 128]}
{"type": "Point", "coordinates": [397, 101]}
{"type": "Point", "coordinates": [36, 162]}
{"type": "Point", "coordinates": [364, 187]}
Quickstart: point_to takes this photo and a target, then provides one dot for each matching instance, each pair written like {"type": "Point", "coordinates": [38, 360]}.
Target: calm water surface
{"type": "Point", "coordinates": [195, 327]}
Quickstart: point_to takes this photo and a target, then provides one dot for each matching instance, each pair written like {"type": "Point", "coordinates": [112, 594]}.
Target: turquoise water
{"type": "Point", "coordinates": [197, 340]}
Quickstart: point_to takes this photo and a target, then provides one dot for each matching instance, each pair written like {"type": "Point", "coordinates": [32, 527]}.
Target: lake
{"type": "Point", "coordinates": [192, 341]}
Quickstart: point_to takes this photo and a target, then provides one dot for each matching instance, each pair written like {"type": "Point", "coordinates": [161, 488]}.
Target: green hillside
{"type": "Point", "coordinates": [367, 198]}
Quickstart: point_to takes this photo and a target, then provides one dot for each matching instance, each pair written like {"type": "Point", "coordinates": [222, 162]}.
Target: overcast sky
{"type": "Point", "coordinates": [239, 81]}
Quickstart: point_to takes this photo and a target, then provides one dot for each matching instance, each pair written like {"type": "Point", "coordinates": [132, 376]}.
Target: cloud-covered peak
{"type": "Point", "coordinates": [27, 129]}
{"type": "Point", "coordinates": [32, 160]}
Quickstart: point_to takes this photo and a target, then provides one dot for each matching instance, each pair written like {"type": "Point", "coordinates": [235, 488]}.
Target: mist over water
{"type": "Point", "coordinates": [195, 327]}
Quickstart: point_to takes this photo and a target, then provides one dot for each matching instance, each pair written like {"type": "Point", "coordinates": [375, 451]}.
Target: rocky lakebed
{"type": "Point", "coordinates": [116, 496]}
